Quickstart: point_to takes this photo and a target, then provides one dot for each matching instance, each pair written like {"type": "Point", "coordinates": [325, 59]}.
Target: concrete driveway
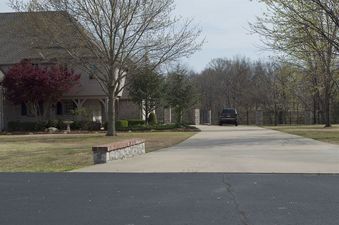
{"type": "Point", "coordinates": [234, 150]}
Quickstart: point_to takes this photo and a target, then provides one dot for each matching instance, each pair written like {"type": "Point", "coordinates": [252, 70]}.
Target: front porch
{"type": "Point", "coordinates": [74, 108]}
{"type": "Point", "coordinates": [81, 109]}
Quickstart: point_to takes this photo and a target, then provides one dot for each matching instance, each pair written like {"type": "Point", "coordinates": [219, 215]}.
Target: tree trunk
{"type": "Point", "coordinates": [111, 131]}
{"type": "Point", "coordinates": [275, 115]}
{"type": "Point", "coordinates": [146, 112]}
{"type": "Point", "coordinates": [327, 111]}
{"type": "Point", "coordinates": [247, 118]}
{"type": "Point", "coordinates": [179, 113]}
{"type": "Point", "coordinates": [297, 114]}
{"type": "Point", "coordinates": [327, 100]}
{"type": "Point", "coordinates": [314, 109]}
{"type": "Point", "coordinates": [34, 108]}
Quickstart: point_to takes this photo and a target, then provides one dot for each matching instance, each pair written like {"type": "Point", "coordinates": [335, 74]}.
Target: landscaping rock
{"type": "Point", "coordinates": [52, 129]}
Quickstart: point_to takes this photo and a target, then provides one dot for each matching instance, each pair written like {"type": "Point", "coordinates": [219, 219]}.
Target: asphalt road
{"type": "Point", "coordinates": [231, 149]}
{"type": "Point", "coordinates": [168, 199]}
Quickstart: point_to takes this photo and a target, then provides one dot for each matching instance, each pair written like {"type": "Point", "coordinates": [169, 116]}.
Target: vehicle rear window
{"type": "Point", "coordinates": [229, 111]}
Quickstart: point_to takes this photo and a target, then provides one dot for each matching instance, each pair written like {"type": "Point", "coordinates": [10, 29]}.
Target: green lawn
{"type": "Point", "coordinates": [62, 152]}
{"type": "Point", "coordinates": [317, 132]}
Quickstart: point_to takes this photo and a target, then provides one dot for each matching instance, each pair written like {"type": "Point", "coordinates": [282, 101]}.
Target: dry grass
{"type": "Point", "coordinates": [317, 132]}
{"type": "Point", "coordinates": [57, 153]}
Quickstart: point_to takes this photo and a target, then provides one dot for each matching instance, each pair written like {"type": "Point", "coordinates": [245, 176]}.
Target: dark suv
{"type": "Point", "coordinates": [229, 116]}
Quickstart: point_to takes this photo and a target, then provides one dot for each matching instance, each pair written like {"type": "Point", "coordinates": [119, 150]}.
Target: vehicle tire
{"type": "Point", "coordinates": [220, 124]}
{"type": "Point", "coordinates": [236, 124]}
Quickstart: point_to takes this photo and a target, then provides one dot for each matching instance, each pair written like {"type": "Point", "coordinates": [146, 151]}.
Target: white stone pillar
{"type": "Point", "coordinates": [210, 117]}
{"type": "Point", "coordinates": [168, 115]}
{"type": "Point", "coordinates": [197, 116]}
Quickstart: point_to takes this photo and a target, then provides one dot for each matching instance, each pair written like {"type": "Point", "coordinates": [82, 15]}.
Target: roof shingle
{"type": "Point", "coordinates": [31, 35]}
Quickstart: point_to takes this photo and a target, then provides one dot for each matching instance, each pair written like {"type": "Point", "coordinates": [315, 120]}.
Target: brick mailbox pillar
{"type": "Point", "coordinates": [197, 116]}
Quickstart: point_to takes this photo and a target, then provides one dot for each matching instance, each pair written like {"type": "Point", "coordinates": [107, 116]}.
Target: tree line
{"type": "Point", "coordinates": [300, 84]}
{"type": "Point", "coordinates": [304, 34]}
{"type": "Point", "coordinates": [281, 91]}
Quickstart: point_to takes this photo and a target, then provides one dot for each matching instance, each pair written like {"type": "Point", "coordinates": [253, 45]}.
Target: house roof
{"type": "Point", "coordinates": [37, 36]}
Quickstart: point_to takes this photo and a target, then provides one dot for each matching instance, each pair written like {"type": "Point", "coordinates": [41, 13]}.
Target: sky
{"type": "Point", "coordinates": [225, 25]}
{"type": "Point", "coordinates": [225, 28]}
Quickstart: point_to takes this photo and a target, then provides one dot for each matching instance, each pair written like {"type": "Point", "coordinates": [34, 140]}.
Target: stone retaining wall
{"type": "Point", "coordinates": [118, 150]}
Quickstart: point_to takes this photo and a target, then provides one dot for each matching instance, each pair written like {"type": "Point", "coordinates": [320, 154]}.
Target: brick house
{"type": "Point", "coordinates": [19, 40]}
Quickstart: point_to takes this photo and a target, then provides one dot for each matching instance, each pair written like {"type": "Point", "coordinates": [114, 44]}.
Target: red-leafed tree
{"type": "Point", "coordinates": [33, 85]}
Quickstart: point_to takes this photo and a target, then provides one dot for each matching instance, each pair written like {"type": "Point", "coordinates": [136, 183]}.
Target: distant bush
{"type": "Point", "coordinates": [41, 126]}
{"type": "Point", "coordinates": [135, 123]}
{"type": "Point", "coordinates": [165, 126]}
{"type": "Point", "coordinates": [121, 124]}
{"type": "Point", "coordinates": [95, 126]}
{"type": "Point", "coordinates": [149, 127]}
{"type": "Point", "coordinates": [61, 125]}
{"type": "Point", "coordinates": [157, 127]}
{"type": "Point", "coordinates": [52, 123]}
{"type": "Point", "coordinates": [26, 126]}
{"type": "Point", "coordinates": [86, 125]}
{"type": "Point", "coordinates": [152, 119]}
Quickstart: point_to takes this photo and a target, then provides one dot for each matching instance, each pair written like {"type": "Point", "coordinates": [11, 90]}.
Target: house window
{"type": "Point", "coordinates": [23, 109]}
{"type": "Point", "coordinates": [69, 107]}
{"type": "Point", "coordinates": [41, 108]}
{"type": "Point", "coordinates": [59, 108]}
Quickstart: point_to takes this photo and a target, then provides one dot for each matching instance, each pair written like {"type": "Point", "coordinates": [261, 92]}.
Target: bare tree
{"type": "Point", "coordinates": [297, 29]}
{"type": "Point", "coordinates": [275, 88]}
{"type": "Point", "coordinates": [231, 83]}
{"type": "Point", "coordinates": [119, 34]}
{"type": "Point", "coordinates": [330, 8]}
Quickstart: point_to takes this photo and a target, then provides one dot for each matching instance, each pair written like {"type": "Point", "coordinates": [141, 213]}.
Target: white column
{"type": "Point", "coordinates": [168, 115]}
